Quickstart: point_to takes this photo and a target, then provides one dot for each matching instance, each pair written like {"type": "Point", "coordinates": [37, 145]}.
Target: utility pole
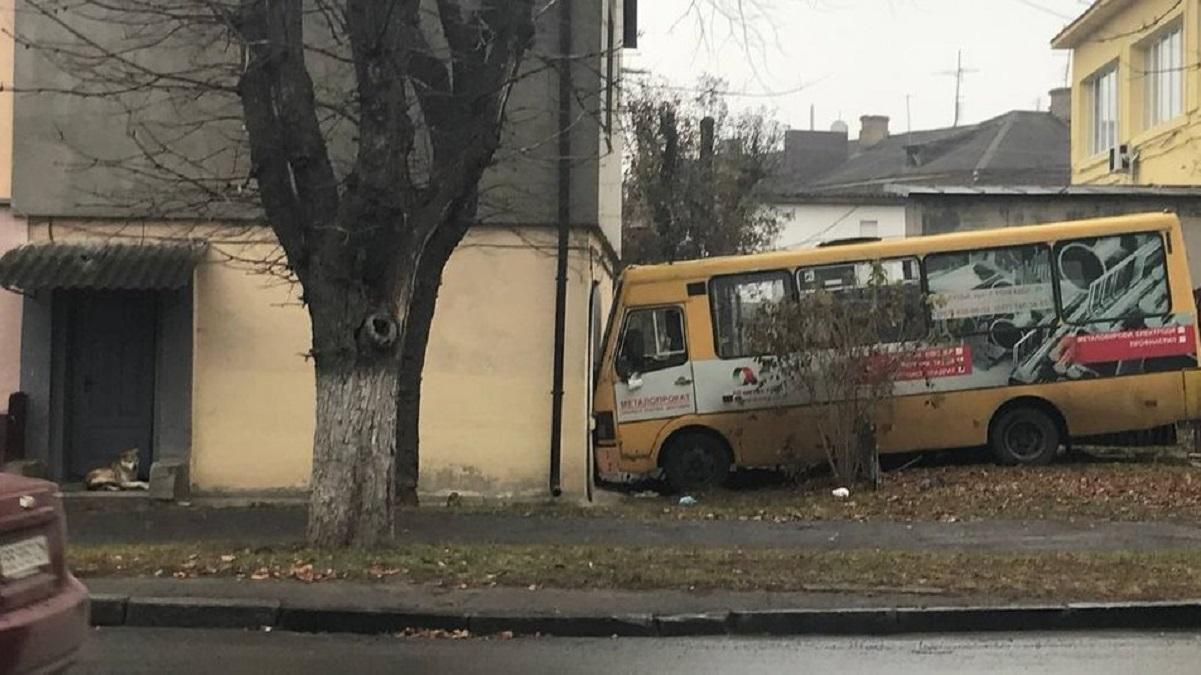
{"type": "Point", "coordinates": [959, 73]}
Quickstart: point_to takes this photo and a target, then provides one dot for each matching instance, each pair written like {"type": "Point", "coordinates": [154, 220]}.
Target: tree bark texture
{"type": "Point", "coordinates": [353, 454]}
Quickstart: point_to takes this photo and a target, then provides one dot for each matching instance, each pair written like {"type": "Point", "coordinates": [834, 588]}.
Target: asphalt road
{"type": "Point", "coordinates": [184, 652]}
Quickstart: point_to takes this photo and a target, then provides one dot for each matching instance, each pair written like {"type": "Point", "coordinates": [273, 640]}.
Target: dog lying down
{"type": "Point", "coordinates": [120, 475]}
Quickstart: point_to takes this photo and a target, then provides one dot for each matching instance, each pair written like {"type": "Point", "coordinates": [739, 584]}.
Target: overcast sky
{"type": "Point", "coordinates": [857, 57]}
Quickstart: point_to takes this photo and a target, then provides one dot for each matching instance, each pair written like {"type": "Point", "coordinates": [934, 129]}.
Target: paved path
{"type": "Point", "coordinates": [130, 652]}
{"type": "Point", "coordinates": [274, 525]}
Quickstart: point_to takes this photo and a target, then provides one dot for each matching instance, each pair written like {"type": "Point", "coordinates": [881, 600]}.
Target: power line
{"type": "Point", "coordinates": [822, 233]}
{"type": "Point", "coordinates": [1046, 10]}
{"type": "Point", "coordinates": [728, 92]}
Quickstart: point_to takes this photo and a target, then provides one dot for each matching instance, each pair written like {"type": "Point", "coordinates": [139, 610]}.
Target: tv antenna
{"type": "Point", "coordinates": [959, 74]}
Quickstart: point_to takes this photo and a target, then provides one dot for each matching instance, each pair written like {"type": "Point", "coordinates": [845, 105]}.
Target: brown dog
{"type": "Point", "coordinates": [120, 475]}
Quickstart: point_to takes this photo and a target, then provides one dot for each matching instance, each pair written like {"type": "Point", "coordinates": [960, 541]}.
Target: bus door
{"type": "Point", "coordinates": [654, 372]}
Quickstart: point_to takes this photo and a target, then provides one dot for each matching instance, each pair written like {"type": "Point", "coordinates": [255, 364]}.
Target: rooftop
{"type": "Point", "coordinates": [1017, 148]}
{"type": "Point", "coordinates": [1087, 23]}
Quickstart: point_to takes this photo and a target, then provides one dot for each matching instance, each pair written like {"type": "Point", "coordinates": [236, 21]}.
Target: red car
{"type": "Point", "coordinates": [43, 609]}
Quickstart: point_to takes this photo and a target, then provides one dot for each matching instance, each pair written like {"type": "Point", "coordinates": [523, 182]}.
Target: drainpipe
{"type": "Point", "coordinates": [566, 45]}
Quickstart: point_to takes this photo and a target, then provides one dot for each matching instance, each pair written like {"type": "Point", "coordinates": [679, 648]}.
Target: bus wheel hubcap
{"type": "Point", "coordinates": [1025, 439]}
{"type": "Point", "coordinates": [698, 465]}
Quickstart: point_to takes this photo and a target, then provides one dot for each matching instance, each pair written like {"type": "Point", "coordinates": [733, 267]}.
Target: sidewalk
{"type": "Point", "coordinates": [342, 607]}
{"type": "Point", "coordinates": [394, 606]}
{"type": "Point", "coordinates": [278, 525]}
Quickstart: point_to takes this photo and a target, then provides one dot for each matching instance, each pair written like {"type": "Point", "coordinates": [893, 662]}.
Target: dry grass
{"type": "Point", "coordinates": [1052, 576]}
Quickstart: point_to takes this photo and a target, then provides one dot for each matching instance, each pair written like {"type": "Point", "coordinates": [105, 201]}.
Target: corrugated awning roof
{"type": "Point", "coordinates": [104, 266]}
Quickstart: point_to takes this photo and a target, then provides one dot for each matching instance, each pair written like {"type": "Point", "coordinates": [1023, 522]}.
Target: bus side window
{"type": "Point", "coordinates": [849, 282]}
{"type": "Point", "coordinates": [1004, 293]}
{"type": "Point", "coordinates": [653, 340]}
{"type": "Point", "coordinates": [1113, 278]}
{"type": "Point", "coordinates": [736, 302]}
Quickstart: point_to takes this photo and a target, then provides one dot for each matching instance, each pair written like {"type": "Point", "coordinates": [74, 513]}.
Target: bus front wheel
{"type": "Point", "coordinates": [1025, 436]}
{"type": "Point", "coordinates": [695, 461]}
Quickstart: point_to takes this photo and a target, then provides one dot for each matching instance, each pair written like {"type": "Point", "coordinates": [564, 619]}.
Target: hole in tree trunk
{"type": "Point", "coordinates": [381, 330]}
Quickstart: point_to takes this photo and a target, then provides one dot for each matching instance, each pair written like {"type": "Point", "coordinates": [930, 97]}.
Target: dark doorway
{"type": "Point", "coordinates": [110, 378]}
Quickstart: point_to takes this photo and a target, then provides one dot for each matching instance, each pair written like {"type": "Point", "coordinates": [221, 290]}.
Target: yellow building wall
{"type": "Point", "coordinates": [7, 48]}
{"type": "Point", "coordinates": [253, 393]}
{"type": "Point", "coordinates": [1167, 154]}
{"type": "Point", "coordinates": [12, 229]}
{"type": "Point", "coordinates": [486, 404]}
{"type": "Point", "coordinates": [487, 390]}
{"type": "Point", "coordinates": [12, 235]}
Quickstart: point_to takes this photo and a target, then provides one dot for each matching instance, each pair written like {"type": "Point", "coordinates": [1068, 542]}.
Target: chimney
{"type": "Point", "coordinates": [809, 154]}
{"type": "Point", "coordinates": [1061, 104]}
{"type": "Point", "coordinates": [874, 130]}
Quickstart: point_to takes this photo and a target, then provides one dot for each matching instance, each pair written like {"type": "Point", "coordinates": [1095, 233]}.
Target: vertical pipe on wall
{"type": "Point", "coordinates": [564, 226]}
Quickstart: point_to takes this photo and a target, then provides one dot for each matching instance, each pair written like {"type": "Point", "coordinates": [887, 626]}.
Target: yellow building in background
{"type": "Point", "coordinates": [1136, 82]}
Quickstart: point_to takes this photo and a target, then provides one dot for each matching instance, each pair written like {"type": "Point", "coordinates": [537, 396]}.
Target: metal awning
{"type": "Point", "coordinates": [100, 266]}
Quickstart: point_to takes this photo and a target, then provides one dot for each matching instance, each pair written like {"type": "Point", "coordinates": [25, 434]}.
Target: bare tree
{"type": "Point", "coordinates": [694, 176]}
{"type": "Point", "coordinates": [368, 188]}
{"type": "Point", "coordinates": [359, 131]}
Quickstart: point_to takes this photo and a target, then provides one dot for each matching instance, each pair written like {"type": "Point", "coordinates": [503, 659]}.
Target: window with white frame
{"type": "Point", "coordinates": [1164, 71]}
{"type": "Point", "coordinates": [1103, 88]}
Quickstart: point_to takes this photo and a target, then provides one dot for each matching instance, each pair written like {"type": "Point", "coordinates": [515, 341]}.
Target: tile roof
{"type": "Point", "coordinates": [109, 266]}
{"type": "Point", "coordinates": [1017, 148]}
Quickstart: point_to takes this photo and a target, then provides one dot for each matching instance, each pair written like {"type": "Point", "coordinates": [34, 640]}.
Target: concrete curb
{"type": "Point", "coordinates": [184, 612]}
{"type": "Point", "coordinates": [201, 613]}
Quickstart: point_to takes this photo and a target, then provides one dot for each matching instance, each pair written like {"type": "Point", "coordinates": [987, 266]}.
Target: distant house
{"type": "Point", "coordinates": [829, 187]}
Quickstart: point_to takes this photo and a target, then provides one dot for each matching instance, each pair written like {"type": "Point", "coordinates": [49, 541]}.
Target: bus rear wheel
{"type": "Point", "coordinates": [695, 461]}
{"type": "Point", "coordinates": [1025, 436]}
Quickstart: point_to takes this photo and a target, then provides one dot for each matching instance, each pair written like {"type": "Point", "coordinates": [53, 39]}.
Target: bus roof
{"type": "Point", "coordinates": [968, 240]}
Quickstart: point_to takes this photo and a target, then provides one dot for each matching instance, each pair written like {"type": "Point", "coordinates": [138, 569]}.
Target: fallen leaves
{"type": "Point", "coordinates": [1079, 576]}
{"type": "Point", "coordinates": [380, 571]}
{"type": "Point", "coordinates": [1083, 491]}
{"type": "Point", "coordinates": [436, 634]}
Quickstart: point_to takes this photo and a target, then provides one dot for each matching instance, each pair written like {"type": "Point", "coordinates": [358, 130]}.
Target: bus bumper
{"type": "Point", "coordinates": [611, 467]}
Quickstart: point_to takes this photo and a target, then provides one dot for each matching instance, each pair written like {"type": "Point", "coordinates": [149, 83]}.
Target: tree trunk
{"type": "Point", "coordinates": [356, 352]}
{"type": "Point", "coordinates": [418, 322]}
{"type": "Point", "coordinates": [412, 365]}
{"type": "Point", "coordinates": [353, 453]}
{"type": "Point", "coordinates": [869, 455]}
